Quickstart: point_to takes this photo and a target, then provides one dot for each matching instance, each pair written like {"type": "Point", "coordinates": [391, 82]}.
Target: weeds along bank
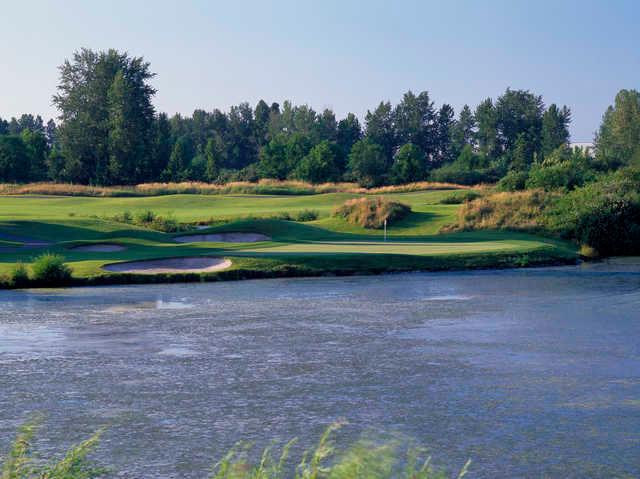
{"type": "Point", "coordinates": [369, 459]}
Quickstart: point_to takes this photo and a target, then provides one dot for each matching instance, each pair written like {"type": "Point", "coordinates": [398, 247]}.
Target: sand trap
{"type": "Point", "coordinates": [171, 265]}
{"type": "Point", "coordinates": [223, 238]}
{"type": "Point", "coordinates": [99, 248]}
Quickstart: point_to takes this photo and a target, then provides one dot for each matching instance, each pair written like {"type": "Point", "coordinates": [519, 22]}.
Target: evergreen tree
{"type": "Point", "coordinates": [408, 165]}
{"type": "Point", "coordinates": [618, 139]}
{"type": "Point", "coordinates": [555, 128]}
{"type": "Point", "coordinates": [213, 161]}
{"type": "Point", "coordinates": [463, 131]}
{"type": "Point", "coordinates": [367, 163]}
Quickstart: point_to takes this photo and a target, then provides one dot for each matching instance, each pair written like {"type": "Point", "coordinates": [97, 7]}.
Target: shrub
{"type": "Point", "coordinates": [49, 269]}
{"type": "Point", "coordinates": [145, 217]}
{"type": "Point", "coordinates": [372, 212]}
{"type": "Point", "coordinates": [18, 276]}
{"type": "Point", "coordinates": [307, 215]}
{"type": "Point", "coordinates": [460, 197]}
{"type": "Point", "coordinates": [604, 215]}
{"type": "Point", "coordinates": [564, 169]}
{"type": "Point", "coordinates": [513, 181]}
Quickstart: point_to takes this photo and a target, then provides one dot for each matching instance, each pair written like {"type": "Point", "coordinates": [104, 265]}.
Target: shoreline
{"type": "Point", "coordinates": [298, 269]}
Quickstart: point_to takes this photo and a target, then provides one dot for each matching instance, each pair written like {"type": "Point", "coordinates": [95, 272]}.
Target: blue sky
{"type": "Point", "coordinates": [347, 55]}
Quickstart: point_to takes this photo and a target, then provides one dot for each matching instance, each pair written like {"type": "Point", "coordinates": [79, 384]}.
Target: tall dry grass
{"type": "Point", "coordinates": [372, 212]}
{"type": "Point", "coordinates": [521, 211]}
{"type": "Point", "coordinates": [262, 187]}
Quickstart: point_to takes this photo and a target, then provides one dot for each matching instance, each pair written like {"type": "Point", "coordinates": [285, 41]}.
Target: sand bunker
{"type": "Point", "coordinates": [171, 265]}
{"type": "Point", "coordinates": [223, 238]}
{"type": "Point", "coordinates": [99, 248]}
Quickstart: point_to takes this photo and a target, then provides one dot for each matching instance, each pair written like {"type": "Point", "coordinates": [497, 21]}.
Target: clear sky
{"type": "Point", "coordinates": [347, 55]}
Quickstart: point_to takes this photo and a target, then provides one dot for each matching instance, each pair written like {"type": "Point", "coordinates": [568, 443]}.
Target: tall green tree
{"type": "Point", "coordinates": [463, 131]}
{"type": "Point", "coordinates": [408, 165]}
{"type": "Point", "coordinates": [178, 167]}
{"type": "Point", "coordinates": [87, 114]}
{"type": "Point", "coordinates": [162, 146]}
{"type": "Point", "coordinates": [487, 133]}
{"type": "Point", "coordinates": [213, 159]}
{"type": "Point", "coordinates": [380, 129]}
{"type": "Point", "coordinates": [416, 121]}
{"type": "Point", "coordinates": [367, 163]}
{"type": "Point", "coordinates": [618, 139]}
{"type": "Point", "coordinates": [15, 164]}
{"type": "Point", "coordinates": [555, 128]}
{"type": "Point", "coordinates": [320, 165]}
{"type": "Point", "coordinates": [349, 132]}
{"type": "Point", "coordinates": [519, 112]}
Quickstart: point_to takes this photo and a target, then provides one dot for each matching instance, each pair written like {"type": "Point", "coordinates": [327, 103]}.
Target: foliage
{"type": "Point", "coordinates": [514, 180]}
{"type": "Point", "coordinates": [320, 165]}
{"type": "Point", "coordinates": [21, 462]}
{"type": "Point", "coordinates": [19, 275]}
{"type": "Point", "coordinates": [563, 168]}
{"type": "Point", "coordinates": [469, 168]}
{"type": "Point", "coordinates": [367, 163]}
{"type": "Point", "coordinates": [50, 269]}
{"type": "Point", "coordinates": [408, 165]}
{"type": "Point", "coordinates": [618, 139]}
{"type": "Point", "coordinates": [107, 117]}
{"type": "Point", "coordinates": [604, 215]}
{"type": "Point", "coordinates": [372, 212]}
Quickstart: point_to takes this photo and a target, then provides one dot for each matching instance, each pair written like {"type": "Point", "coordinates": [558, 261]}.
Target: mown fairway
{"type": "Point", "coordinates": [324, 244]}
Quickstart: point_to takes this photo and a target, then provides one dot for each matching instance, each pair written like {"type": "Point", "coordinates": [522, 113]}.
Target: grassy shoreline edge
{"type": "Point", "coordinates": [247, 268]}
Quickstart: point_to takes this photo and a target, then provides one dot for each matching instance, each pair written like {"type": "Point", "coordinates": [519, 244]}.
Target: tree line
{"type": "Point", "coordinates": [109, 133]}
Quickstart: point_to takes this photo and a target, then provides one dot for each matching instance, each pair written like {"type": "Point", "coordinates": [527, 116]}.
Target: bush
{"type": "Point", "coordinates": [49, 269]}
{"type": "Point", "coordinates": [18, 276]}
{"type": "Point", "coordinates": [604, 215]}
{"type": "Point", "coordinates": [513, 181]}
{"type": "Point", "coordinates": [563, 169]}
{"type": "Point", "coordinates": [372, 212]}
{"type": "Point", "coordinates": [145, 217]}
{"type": "Point", "coordinates": [307, 215]}
{"type": "Point", "coordinates": [460, 197]}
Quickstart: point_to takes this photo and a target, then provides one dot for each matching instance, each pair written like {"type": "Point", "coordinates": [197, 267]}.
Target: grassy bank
{"type": "Point", "coordinates": [327, 245]}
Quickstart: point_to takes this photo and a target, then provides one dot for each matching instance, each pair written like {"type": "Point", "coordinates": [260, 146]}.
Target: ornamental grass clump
{"type": "Point", "coordinates": [23, 463]}
{"type": "Point", "coordinates": [50, 270]}
{"type": "Point", "coordinates": [372, 213]}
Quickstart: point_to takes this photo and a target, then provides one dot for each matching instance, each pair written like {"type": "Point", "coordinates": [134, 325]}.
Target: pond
{"type": "Point", "coordinates": [529, 373]}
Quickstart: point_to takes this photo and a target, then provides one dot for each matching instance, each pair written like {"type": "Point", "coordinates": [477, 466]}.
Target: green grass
{"type": "Point", "coordinates": [326, 245]}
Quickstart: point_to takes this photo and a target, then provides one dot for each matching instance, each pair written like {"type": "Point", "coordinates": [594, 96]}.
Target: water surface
{"type": "Point", "coordinates": [530, 373]}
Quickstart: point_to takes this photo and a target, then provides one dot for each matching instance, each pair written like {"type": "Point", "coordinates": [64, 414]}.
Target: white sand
{"type": "Point", "coordinates": [99, 248]}
{"type": "Point", "coordinates": [223, 238]}
{"type": "Point", "coordinates": [171, 265]}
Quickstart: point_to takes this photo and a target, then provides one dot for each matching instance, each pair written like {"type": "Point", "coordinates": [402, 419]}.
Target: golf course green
{"type": "Point", "coordinates": [91, 236]}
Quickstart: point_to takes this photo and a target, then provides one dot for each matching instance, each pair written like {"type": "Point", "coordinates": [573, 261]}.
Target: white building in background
{"type": "Point", "coordinates": [586, 146]}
